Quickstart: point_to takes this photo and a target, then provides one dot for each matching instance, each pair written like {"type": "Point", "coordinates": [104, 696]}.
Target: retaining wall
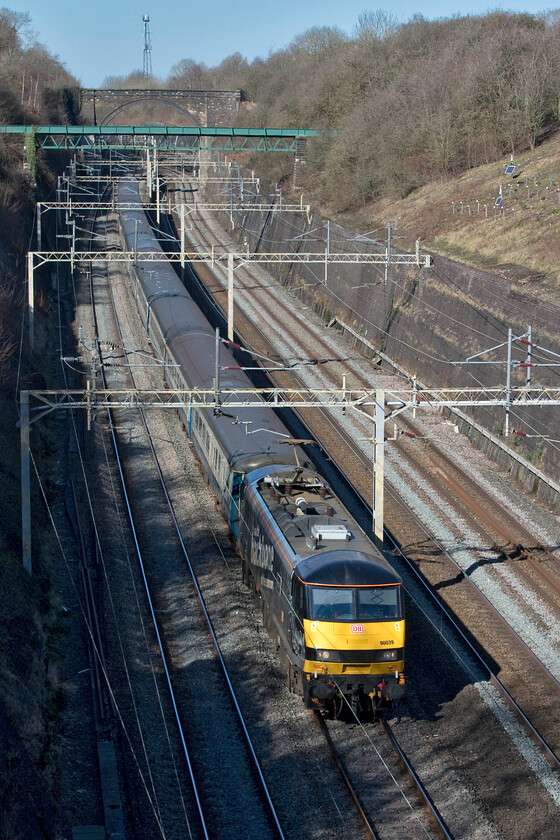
{"type": "Point", "coordinates": [423, 320]}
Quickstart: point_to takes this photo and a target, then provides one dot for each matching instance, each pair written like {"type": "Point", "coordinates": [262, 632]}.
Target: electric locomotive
{"type": "Point", "coordinates": [330, 600]}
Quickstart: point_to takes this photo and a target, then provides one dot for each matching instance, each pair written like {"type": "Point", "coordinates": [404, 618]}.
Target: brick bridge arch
{"type": "Point", "coordinates": [168, 104]}
{"type": "Point", "coordinates": [207, 108]}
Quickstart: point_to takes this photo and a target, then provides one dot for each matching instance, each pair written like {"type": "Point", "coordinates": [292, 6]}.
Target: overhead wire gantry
{"type": "Point", "coordinates": [378, 405]}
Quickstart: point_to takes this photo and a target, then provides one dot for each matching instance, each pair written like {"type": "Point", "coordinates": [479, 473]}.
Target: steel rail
{"type": "Point", "coordinates": [549, 753]}
{"type": "Point", "coordinates": [111, 789]}
{"type": "Point", "coordinates": [370, 829]}
{"type": "Point", "coordinates": [487, 524]}
{"type": "Point", "coordinates": [102, 709]}
{"type": "Point", "coordinates": [553, 759]}
{"type": "Point", "coordinates": [200, 596]}
{"type": "Point", "coordinates": [419, 787]}
{"type": "Point", "coordinates": [144, 576]}
{"type": "Point", "coordinates": [508, 521]}
{"type": "Point", "coordinates": [345, 778]}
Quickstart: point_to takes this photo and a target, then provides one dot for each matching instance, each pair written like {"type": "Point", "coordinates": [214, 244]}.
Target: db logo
{"type": "Point", "coordinates": [356, 628]}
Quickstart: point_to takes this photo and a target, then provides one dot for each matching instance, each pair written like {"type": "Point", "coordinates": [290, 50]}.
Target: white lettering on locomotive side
{"type": "Point", "coordinates": [262, 553]}
{"type": "Point", "coordinates": [267, 555]}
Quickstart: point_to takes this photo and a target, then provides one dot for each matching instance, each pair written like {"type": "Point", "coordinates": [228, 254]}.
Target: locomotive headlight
{"type": "Point", "coordinates": [324, 655]}
{"type": "Point", "coordinates": [389, 654]}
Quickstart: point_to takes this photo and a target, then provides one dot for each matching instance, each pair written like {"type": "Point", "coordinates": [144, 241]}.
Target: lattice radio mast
{"type": "Point", "coordinates": [147, 64]}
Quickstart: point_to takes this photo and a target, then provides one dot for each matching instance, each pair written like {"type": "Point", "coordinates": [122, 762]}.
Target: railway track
{"type": "Point", "coordinates": [166, 606]}
{"type": "Point", "coordinates": [501, 530]}
{"type": "Point", "coordinates": [91, 600]}
{"type": "Point", "coordinates": [539, 718]}
{"type": "Point", "coordinates": [535, 563]}
{"type": "Point", "coordinates": [206, 813]}
{"type": "Point", "coordinates": [407, 811]}
{"type": "Point", "coordinates": [403, 814]}
{"type": "Point", "coordinates": [407, 816]}
{"type": "Point", "coordinates": [254, 338]}
{"type": "Point", "coordinates": [226, 818]}
{"type": "Point", "coordinates": [398, 816]}
{"type": "Point", "coordinates": [514, 540]}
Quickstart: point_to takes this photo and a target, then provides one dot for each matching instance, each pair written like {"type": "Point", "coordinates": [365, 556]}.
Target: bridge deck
{"type": "Point", "coordinates": [158, 130]}
{"type": "Point", "coordinates": [226, 139]}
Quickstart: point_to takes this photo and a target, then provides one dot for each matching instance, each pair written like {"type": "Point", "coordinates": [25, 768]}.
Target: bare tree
{"type": "Point", "coordinates": [375, 26]}
{"type": "Point", "coordinates": [188, 75]}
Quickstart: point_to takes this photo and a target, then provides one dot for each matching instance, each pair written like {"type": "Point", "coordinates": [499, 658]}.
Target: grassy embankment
{"type": "Point", "coordinates": [522, 243]}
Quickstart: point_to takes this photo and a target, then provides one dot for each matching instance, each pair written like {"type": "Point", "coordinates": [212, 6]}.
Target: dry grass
{"type": "Point", "coordinates": [522, 245]}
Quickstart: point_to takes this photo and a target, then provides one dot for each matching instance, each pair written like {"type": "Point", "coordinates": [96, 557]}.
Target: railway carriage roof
{"type": "Point", "coordinates": [249, 439]}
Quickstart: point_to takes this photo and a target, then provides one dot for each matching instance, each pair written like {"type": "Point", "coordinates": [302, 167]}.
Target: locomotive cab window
{"type": "Point", "coordinates": [332, 604]}
{"type": "Point", "coordinates": [379, 603]}
{"type": "Point", "coordinates": [376, 603]}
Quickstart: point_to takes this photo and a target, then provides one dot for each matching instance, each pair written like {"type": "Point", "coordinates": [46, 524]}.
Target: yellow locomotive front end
{"type": "Point", "coordinates": [354, 645]}
{"type": "Point", "coordinates": [333, 603]}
